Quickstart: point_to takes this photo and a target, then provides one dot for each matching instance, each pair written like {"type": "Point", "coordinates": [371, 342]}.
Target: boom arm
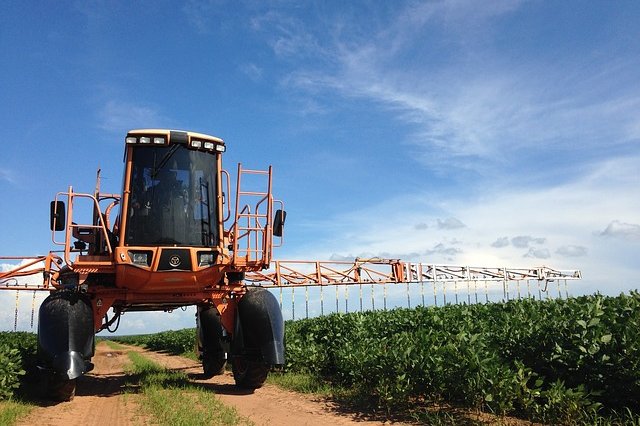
{"type": "Point", "coordinates": [298, 273]}
{"type": "Point", "coordinates": [48, 266]}
{"type": "Point", "coordinates": [308, 273]}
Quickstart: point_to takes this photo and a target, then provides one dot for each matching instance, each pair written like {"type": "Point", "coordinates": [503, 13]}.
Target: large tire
{"type": "Point", "coordinates": [249, 374]}
{"type": "Point", "coordinates": [59, 389]}
{"type": "Point", "coordinates": [212, 366]}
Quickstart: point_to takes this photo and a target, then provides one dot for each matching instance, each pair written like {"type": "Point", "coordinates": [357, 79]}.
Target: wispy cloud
{"type": "Point", "coordinates": [288, 35]}
{"type": "Point", "coordinates": [7, 175]}
{"type": "Point", "coordinates": [252, 71]}
{"type": "Point", "coordinates": [119, 116]}
{"type": "Point", "coordinates": [469, 105]}
{"type": "Point", "coordinates": [201, 14]}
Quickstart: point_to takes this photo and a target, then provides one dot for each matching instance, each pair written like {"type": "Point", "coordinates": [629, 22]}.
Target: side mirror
{"type": "Point", "coordinates": [278, 223]}
{"type": "Point", "coordinates": [57, 218]}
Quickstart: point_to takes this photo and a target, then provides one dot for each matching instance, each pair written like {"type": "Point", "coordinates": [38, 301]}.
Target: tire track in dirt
{"type": "Point", "coordinates": [101, 399]}
{"type": "Point", "coordinates": [269, 405]}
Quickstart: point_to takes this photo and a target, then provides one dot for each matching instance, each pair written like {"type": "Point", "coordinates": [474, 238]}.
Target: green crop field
{"type": "Point", "coordinates": [557, 361]}
{"type": "Point", "coordinates": [574, 361]}
{"type": "Point", "coordinates": [17, 356]}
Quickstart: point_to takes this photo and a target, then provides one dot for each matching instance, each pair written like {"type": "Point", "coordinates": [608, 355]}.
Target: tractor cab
{"type": "Point", "coordinates": [172, 192]}
{"type": "Point", "coordinates": [172, 214]}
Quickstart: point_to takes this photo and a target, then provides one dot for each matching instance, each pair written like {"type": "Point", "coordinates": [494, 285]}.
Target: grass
{"type": "Point", "coordinates": [170, 398]}
{"type": "Point", "coordinates": [191, 355]}
{"type": "Point", "coordinates": [114, 345]}
{"type": "Point", "coordinates": [11, 411]}
{"type": "Point", "coordinates": [300, 382]}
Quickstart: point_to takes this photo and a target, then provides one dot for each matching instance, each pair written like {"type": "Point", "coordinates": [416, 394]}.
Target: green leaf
{"type": "Point", "coordinates": [606, 338]}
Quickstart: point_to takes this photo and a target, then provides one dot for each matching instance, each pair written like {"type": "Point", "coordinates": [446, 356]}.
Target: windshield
{"type": "Point", "coordinates": [172, 199]}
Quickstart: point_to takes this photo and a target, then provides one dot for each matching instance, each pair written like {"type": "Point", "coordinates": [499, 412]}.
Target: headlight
{"type": "Point", "coordinates": [206, 259]}
{"type": "Point", "coordinates": [142, 258]}
{"type": "Point", "coordinates": [145, 139]}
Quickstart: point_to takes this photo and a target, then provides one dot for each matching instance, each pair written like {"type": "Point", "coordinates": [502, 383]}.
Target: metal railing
{"type": "Point", "coordinates": [252, 228]}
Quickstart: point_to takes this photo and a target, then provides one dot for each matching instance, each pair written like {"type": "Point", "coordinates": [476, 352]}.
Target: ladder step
{"type": "Point", "coordinates": [254, 193]}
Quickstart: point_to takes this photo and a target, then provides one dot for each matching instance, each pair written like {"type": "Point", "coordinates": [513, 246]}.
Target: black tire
{"type": "Point", "coordinates": [212, 366]}
{"type": "Point", "coordinates": [60, 390]}
{"type": "Point", "coordinates": [249, 374]}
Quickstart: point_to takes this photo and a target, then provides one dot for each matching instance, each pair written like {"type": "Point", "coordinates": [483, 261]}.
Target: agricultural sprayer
{"type": "Point", "coordinates": [176, 237]}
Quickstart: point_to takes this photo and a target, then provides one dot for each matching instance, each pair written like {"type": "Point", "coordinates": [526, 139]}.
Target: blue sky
{"type": "Point", "coordinates": [484, 133]}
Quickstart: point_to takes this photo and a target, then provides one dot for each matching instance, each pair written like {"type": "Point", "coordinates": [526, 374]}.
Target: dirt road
{"type": "Point", "coordinates": [100, 398]}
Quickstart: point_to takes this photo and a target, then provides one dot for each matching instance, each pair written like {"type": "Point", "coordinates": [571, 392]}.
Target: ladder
{"type": "Point", "coordinates": [252, 228]}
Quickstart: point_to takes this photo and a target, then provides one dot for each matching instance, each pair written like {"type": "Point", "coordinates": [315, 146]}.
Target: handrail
{"type": "Point", "coordinates": [70, 225]}
{"type": "Point", "coordinates": [225, 199]}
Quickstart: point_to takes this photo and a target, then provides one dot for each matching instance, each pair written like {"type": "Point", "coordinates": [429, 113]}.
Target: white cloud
{"type": "Point", "coordinates": [119, 117]}
{"type": "Point", "coordinates": [523, 241]}
{"type": "Point", "coordinates": [572, 251]}
{"type": "Point", "coordinates": [621, 230]}
{"type": "Point", "coordinates": [565, 214]}
{"type": "Point", "coordinates": [446, 252]}
{"type": "Point", "coordinates": [450, 223]}
{"type": "Point", "coordinates": [538, 253]}
{"type": "Point", "coordinates": [500, 242]}
{"type": "Point", "coordinates": [20, 263]}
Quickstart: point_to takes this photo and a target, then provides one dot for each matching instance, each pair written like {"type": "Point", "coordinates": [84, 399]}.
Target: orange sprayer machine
{"type": "Point", "coordinates": [160, 245]}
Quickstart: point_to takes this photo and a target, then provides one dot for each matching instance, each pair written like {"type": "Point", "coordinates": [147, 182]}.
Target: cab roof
{"type": "Point", "coordinates": [175, 134]}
